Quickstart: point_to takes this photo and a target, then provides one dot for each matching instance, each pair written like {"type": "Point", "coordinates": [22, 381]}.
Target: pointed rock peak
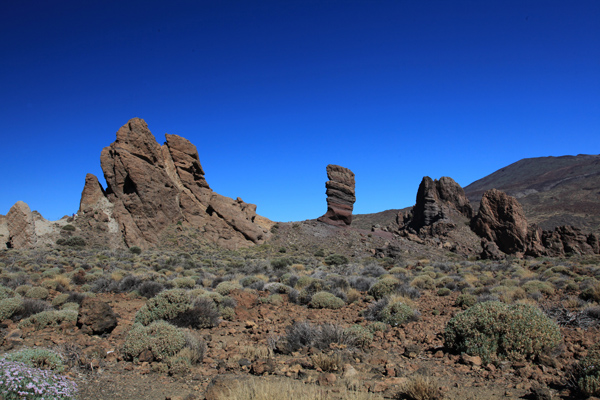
{"type": "Point", "coordinates": [92, 193]}
{"type": "Point", "coordinates": [136, 138]}
{"type": "Point", "coordinates": [186, 160]}
{"type": "Point", "coordinates": [21, 226]}
{"type": "Point", "coordinates": [340, 196]}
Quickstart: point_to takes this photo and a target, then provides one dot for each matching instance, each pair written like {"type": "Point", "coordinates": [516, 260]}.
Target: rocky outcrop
{"type": "Point", "coordinates": [152, 187]}
{"type": "Point", "coordinates": [502, 224]}
{"type": "Point", "coordinates": [501, 220]}
{"type": "Point", "coordinates": [437, 200]}
{"type": "Point", "coordinates": [340, 196]}
{"type": "Point", "coordinates": [21, 227]}
{"type": "Point", "coordinates": [96, 317]}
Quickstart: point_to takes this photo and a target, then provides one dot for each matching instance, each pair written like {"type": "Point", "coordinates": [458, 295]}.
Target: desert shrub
{"type": "Point", "coordinates": [383, 287]}
{"type": "Point", "coordinates": [37, 292]}
{"type": "Point", "coordinates": [444, 291]}
{"type": "Point", "coordinates": [249, 280]}
{"type": "Point", "coordinates": [5, 292]}
{"type": "Point", "coordinates": [304, 334]}
{"type": "Point", "coordinates": [38, 358]}
{"type": "Point", "coordinates": [166, 305]}
{"type": "Point", "coordinates": [377, 326]}
{"type": "Point", "coordinates": [465, 301]}
{"type": "Point", "coordinates": [49, 318]}
{"type": "Point", "coordinates": [68, 228]}
{"type": "Point", "coordinates": [591, 293]}
{"type": "Point", "coordinates": [274, 299]}
{"type": "Point", "coordinates": [281, 263]}
{"type": "Point", "coordinates": [361, 283]}
{"type": "Point", "coordinates": [18, 381]}
{"type": "Point", "coordinates": [421, 388]}
{"type": "Point", "coordinates": [184, 282]}
{"type": "Point", "coordinates": [588, 378]}
{"type": "Point", "coordinates": [495, 330]}
{"type": "Point", "coordinates": [373, 270]}
{"type": "Point", "coordinates": [29, 307]}
{"type": "Point", "coordinates": [397, 313]}
{"type": "Point", "coordinates": [359, 335]}
{"type": "Point", "coordinates": [328, 362]}
{"type": "Point", "coordinates": [227, 313]}
{"type": "Point", "coordinates": [336, 259]}
{"type": "Point", "coordinates": [326, 300]}
{"type": "Point", "coordinates": [9, 306]}
{"type": "Point", "coordinates": [162, 339]}
{"type": "Point", "coordinates": [424, 282]}
{"type": "Point", "coordinates": [75, 297]}
{"type": "Point", "coordinates": [538, 286]}
{"type": "Point", "coordinates": [149, 289]}
{"type": "Point", "coordinates": [202, 314]}
{"type": "Point", "coordinates": [73, 241]}
{"type": "Point", "coordinates": [224, 288]}
{"type": "Point", "coordinates": [135, 250]}
{"type": "Point", "coordinates": [129, 283]}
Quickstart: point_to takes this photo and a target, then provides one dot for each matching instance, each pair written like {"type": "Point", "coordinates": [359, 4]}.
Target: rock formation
{"type": "Point", "coordinates": [21, 227]}
{"type": "Point", "coordinates": [151, 188]}
{"type": "Point", "coordinates": [437, 200]}
{"type": "Point", "coordinates": [502, 224]}
{"type": "Point", "coordinates": [501, 220]}
{"type": "Point", "coordinates": [340, 196]}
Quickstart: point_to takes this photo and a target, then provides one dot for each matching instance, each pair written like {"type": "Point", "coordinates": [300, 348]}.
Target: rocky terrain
{"type": "Point", "coordinates": [160, 288]}
{"type": "Point", "coordinates": [553, 191]}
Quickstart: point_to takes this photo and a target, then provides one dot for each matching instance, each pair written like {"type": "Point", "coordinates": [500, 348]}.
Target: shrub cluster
{"type": "Point", "coordinates": [589, 372]}
{"type": "Point", "coordinates": [326, 300]}
{"type": "Point", "coordinates": [494, 330]}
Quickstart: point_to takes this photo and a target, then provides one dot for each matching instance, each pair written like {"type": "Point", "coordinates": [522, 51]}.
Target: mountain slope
{"type": "Point", "coordinates": [553, 190]}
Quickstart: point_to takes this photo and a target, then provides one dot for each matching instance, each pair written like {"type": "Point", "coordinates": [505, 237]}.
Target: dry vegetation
{"type": "Point", "coordinates": [305, 324]}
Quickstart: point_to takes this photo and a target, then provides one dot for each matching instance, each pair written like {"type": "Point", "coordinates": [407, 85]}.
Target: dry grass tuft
{"type": "Point", "coordinates": [327, 362]}
{"type": "Point", "coordinates": [421, 388]}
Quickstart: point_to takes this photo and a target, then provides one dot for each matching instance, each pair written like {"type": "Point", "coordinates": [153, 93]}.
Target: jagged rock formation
{"type": "Point", "coordinates": [503, 226]}
{"type": "Point", "coordinates": [340, 196]}
{"type": "Point", "coordinates": [437, 200]}
{"type": "Point", "coordinates": [501, 220]}
{"type": "Point", "coordinates": [151, 187]}
{"type": "Point", "coordinates": [21, 227]}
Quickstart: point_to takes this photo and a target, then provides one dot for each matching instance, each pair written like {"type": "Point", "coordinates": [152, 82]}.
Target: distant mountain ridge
{"type": "Point", "coordinates": [554, 191]}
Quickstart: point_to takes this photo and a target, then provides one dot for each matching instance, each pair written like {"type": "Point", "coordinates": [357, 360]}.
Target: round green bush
{"type": "Point", "coordinates": [224, 288]}
{"type": "Point", "coordinates": [166, 305]}
{"type": "Point", "coordinates": [9, 306]}
{"type": "Point", "coordinates": [5, 292]}
{"type": "Point", "coordinates": [465, 301]}
{"type": "Point", "coordinates": [336, 259]}
{"type": "Point", "coordinates": [494, 330]}
{"type": "Point", "coordinates": [397, 313]}
{"type": "Point", "coordinates": [162, 339]}
{"type": "Point", "coordinates": [359, 335]}
{"type": "Point", "coordinates": [37, 292]}
{"type": "Point", "coordinates": [589, 372]}
{"type": "Point", "coordinates": [383, 287]}
{"type": "Point", "coordinates": [49, 318]}
{"type": "Point", "coordinates": [326, 300]}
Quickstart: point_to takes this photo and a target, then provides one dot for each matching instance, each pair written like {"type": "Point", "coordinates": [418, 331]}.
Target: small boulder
{"type": "Point", "coordinates": [96, 317]}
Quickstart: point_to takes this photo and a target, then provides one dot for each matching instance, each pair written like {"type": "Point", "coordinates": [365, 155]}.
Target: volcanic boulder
{"type": "Point", "coordinates": [151, 188]}
{"type": "Point", "coordinates": [340, 196]}
{"type": "Point", "coordinates": [501, 220]}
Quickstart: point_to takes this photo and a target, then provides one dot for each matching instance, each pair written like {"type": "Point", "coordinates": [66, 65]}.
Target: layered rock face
{"type": "Point", "coordinates": [340, 196]}
{"type": "Point", "coordinates": [151, 187]}
{"type": "Point", "coordinates": [438, 200]}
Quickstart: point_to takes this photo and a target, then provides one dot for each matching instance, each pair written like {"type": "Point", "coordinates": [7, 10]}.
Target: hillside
{"type": "Point", "coordinates": [553, 190]}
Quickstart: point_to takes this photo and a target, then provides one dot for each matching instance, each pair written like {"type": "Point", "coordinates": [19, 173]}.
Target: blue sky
{"type": "Point", "coordinates": [271, 92]}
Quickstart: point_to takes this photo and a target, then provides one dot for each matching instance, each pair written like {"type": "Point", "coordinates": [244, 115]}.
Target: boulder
{"type": "Point", "coordinates": [21, 227]}
{"type": "Point", "coordinates": [96, 317]}
{"type": "Point", "coordinates": [340, 196]}
{"type": "Point", "coordinates": [501, 220]}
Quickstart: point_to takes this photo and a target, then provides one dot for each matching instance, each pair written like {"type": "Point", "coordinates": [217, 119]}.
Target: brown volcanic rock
{"type": "Point", "coordinates": [96, 317]}
{"type": "Point", "coordinates": [568, 240]}
{"type": "Point", "coordinates": [21, 227]}
{"type": "Point", "coordinates": [437, 200]}
{"type": "Point", "coordinates": [92, 193]}
{"type": "Point", "coordinates": [501, 220]}
{"type": "Point", "coordinates": [340, 196]}
{"type": "Point", "coordinates": [150, 188]}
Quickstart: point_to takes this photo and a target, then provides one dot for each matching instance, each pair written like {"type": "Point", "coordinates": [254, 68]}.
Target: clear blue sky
{"type": "Point", "coordinates": [271, 92]}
